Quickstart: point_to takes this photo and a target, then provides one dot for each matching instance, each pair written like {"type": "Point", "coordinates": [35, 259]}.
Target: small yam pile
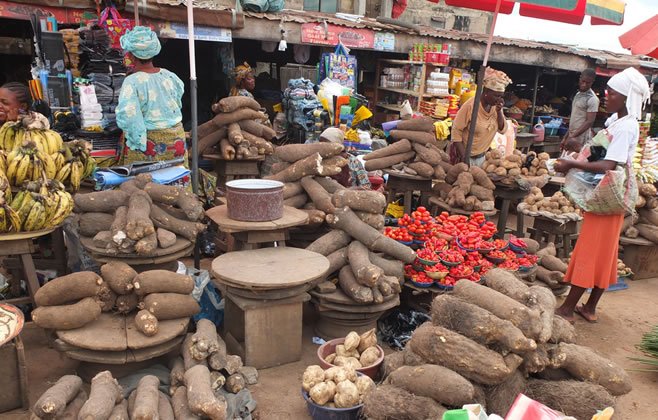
{"type": "Point", "coordinates": [516, 169]}
{"type": "Point", "coordinates": [556, 207]}
{"type": "Point", "coordinates": [487, 344]}
{"type": "Point", "coordinates": [645, 223]}
{"type": "Point", "coordinates": [75, 300]}
{"type": "Point", "coordinates": [204, 374]}
{"type": "Point", "coordinates": [336, 387]}
{"type": "Point", "coordinates": [141, 217]}
{"type": "Point", "coordinates": [357, 351]}
{"type": "Point", "coordinates": [535, 164]}
{"type": "Point", "coordinates": [550, 269]}
{"type": "Point", "coordinates": [238, 130]}
{"type": "Point", "coordinates": [466, 188]}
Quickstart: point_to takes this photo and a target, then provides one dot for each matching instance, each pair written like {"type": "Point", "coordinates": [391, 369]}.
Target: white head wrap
{"type": "Point", "coordinates": [632, 84]}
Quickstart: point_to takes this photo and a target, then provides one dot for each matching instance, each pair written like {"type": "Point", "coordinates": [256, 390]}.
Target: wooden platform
{"type": "Point", "coordinates": [291, 217]}
{"type": "Point", "coordinates": [641, 256]}
{"type": "Point", "coordinates": [440, 204]}
{"type": "Point", "coordinates": [119, 357]}
{"type": "Point", "coordinates": [182, 248]}
{"type": "Point", "coordinates": [400, 183]}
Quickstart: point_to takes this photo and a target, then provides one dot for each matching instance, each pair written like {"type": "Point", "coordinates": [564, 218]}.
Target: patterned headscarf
{"type": "Point", "coordinates": [141, 42]}
{"type": "Point", "coordinates": [241, 72]}
{"type": "Point", "coordinates": [495, 80]}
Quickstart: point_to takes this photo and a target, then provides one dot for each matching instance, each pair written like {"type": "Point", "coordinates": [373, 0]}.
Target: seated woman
{"type": "Point", "coordinates": [149, 109]}
{"type": "Point", "coordinates": [15, 101]}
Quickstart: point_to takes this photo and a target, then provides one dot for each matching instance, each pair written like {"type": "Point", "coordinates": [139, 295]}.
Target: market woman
{"type": "Point", "coordinates": [594, 260]}
{"type": "Point", "coordinates": [245, 82]}
{"type": "Point", "coordinates": [149, 109]}
{"type": "Point", "coordinates": [490, 121]}
{"type": "Point", "coordinates": [15, 100]}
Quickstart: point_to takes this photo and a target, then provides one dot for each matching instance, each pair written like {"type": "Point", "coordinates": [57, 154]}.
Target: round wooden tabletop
{"type": "Point", "coordinates": [181, 248]}
{"type": "Point", "coordinates": [291, 217]}
{"type": "Point", "coordinates": [14, 236]}
{"type": "Point", "coordinates": [405, 176]}
{"type": "Point", "coordinates": [269, 268]}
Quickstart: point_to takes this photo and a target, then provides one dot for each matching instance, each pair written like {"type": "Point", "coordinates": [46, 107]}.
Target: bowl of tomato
{"type": "Point", "coordinates": [500, 244]}
{"type": "Point", "coordinates": [497, 257]}
{"type": "Point", "coordinates": [436, 272]}
{"type": "Point", "coordinates": [517, 245]}
{"type": "Point", "coordinates": [485, 247]}
{"type": "Point", "coordinates": [422, 280]}
{"type": "Point", "coordinates": [461, 272]}
{"type": "Point", "coordinates": [451, 258]}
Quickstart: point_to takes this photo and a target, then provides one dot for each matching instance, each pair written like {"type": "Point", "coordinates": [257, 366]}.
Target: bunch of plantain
{"type": "Point", "coordinates": [41, 204]}
{"type": "Point", "coordinates": [74, 163]}
{"type": "Point", "coordinates": [33, 127]}
{"type": "Point", "coordinates": [29, 163]}
{"type": "Point", "coordinates": [9, 219]}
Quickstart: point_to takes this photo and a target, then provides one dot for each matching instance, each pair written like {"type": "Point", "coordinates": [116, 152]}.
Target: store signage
{"type": "Point", "coordinates": [318, 33]}
{"type": "Point", "coordinates": [384, 41]}
{"type": "Point", "coordinates": [177, 30]}
{"type": "Point", "coordinates": [24, 12]}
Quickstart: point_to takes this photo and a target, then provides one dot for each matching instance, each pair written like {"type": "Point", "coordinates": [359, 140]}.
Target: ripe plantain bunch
{"type": "Point", "coordinates": [29, 163]}
{"type": "Point", "coordinates": [40, 204]}
{"type": "Point", "coordinates": [74, 163]}
{"type": "Point", "coordinates": [34, 127]}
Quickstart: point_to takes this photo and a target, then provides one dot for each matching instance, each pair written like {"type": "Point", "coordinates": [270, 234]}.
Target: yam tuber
{"type": "Point", "coordinates": [648, 232]}
{"type": "Point", "coordinates": [508, 284]}
{"type": "Point", "coordinates": [376, 221]}
{"type": "Point", "coordinates": [402, 146]}
{"type": "Point", "coordinates": [291, 189]}
{"type": "Point", "coordinates": [188, 360]}
{"type": "Point", "coordinates": [427, 154]}
{"type": "Point", "coordinates": [580, 400]}
{"type": "Point", "coordinates": [482, 193]}
{"type": "Point", "coordinates": [392, 268]}
{"type": "Point", "coordinates": [552, 279]}
{"type": "Point", "coordinates": [315, 217]}
{"type": "Point", "coordinates": [311, 165]}
{"type": "Point", "coordinates": [105, 394]}
{"type": "Point", "coordinates": [92, 223]}
{"type": "Point", "coordinates": [387, 161]}
{"type": "Point", "coordinates": [119, 276]}
{"type": "Point", "coordinates": [68, 288]}
{"type": "Point", "coordinates": [162, 281]}
{"type": "Point", "coordinates": [171, 305]}
{"type": "Point", "coordinates": [176, 372]}
{"type": "Point", "coordinates": [118, 227]}
{"type": "Point", "coordinates": [257, 129]}
{"type": "Point", "coordinates": [296, 201]}
{"type": "Point", "coordinates": [53, 402]}
{"type": "Point", "coordinates": [481, 178]}
{"type": "Point", "coordinates": [147, 245]}
{"type": "Point", "coordinates": [165, 238]}
{"type": "Point", "coordinates": [100, 201]}
{"type": "Point", "coordinates": [329, 184]}
{"type": "Point", "coordinates": [360, 200]}
{"type": "Point", "coordinates": [479, 324]}
{"type": "Point", "coordinates": [263, 146]}
{"type": "Point", "coordinates": [443, 347]}
{"type": "Point", "coordinates": [205, 340]}
{"type": "Point", "coordinates": [139, 222]}
{"type": "Point", "coordinates": [499, 398]}
{"type": "Point", "coordinates": [330, 242]}
{"type": "Point", "coordinates": [120, 411]}
{"type": "Point", "coordinates": [207, 142]}
{"type": "Point", "coordinates": [545, 303]}
{"type": "Point", "coordinates": [233, 103]}
{"type": "Point", "coordinates": [504, 307]}
{"type": "Point", "coordinates": [126, 303]}
{"type": "Point", "coordinates": [226, 118]}
{"type": "Point", "coordinates": [176, 196]}
{"type": "Point", "coordinates": [295, 152]}
{"type": "Point", "coordinates": [234, 134]}
{"type": "Point", "coordinates": [201, 399]}
{"type": "Point", "coordinates": [455, 171]}
{"type": "Point", "coordinates": [552, 263]}
{"type": "Point", "coordinates": [180, 405]}
{"type": "Point", "coordinates": [147, 396]}
{"type": "Point", "coordinates": [422, 169]}
{"type": "Point", "coordinates": [563, 331]}
{"type": "Point", "coordinates": [235, 383]}
{"type": "Point", "coordinates": [582, 363]}
{"type": "Point", "coordinates": [74, 406]}
{"type": "Point", "coordinates": [318, 195]}
{"type": "Point", "coordinates": [165, 410]}
{"type": "Point", "coordinates": [337, 260]}
{"type": "Point", "coordinates": [352, 288]}
{"type": "Point", "coordinates": [67, 317]}
{"type": "Point", "coordinates": [184, 228]}
{"type": "Point", "coordinates": [423, 124]}
{"type": "Point", "coordinates": [366, 273]}
{"type": "Point", "coordinates": [414, 136]}
{"type": "Point", "coordinates": [333, 166]}
{"type": "Point", "coordinates": [436, 382]}
{"type": "Point", "coordinates": [227, 150]}
{"type": "Point", "coordinates": [390, 402]}
{"type": "Point", "coordinates": [146, 323]}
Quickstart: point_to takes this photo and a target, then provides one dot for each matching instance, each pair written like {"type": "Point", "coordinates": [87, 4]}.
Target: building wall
{"type": "Point", "coordinates": [424, 12]}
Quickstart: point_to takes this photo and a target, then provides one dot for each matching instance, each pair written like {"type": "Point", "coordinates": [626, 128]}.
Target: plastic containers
{"type": "Point", "coordinates": [538, 130]}
{"type": "Point", "coordinates": [319, 412]}
{"type": "Point", "coordinates": [254, 200]}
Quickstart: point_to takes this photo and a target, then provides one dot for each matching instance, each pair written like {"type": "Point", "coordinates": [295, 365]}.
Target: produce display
{"type": "Point", "coordinates": [140, 217]}
{"type": "Point", "coordinates": [357, 351]}
{"type": "Point", "coordinates": [74, 300]}
{"type": "Point", "coordinates": [535, 164]}
{"type": "Point", "coordinates": [336, 387]}
{"type": "Point", "coordinates": [623, 270]}
{"type": "Point", "coordinates": [237, 131]}
{"type": "Point", "coordinates": [517, 169]}
{"type": "Point", "coordinates": [487, 344]}
{"type": "Point", "coordinates": [465, 188]}
{"type": "Point", "coordinates": [645, 160]}
{"type": "Point", "coordinates": [557, 207]}
{"type": "Point", "coordinates": [645, 223]}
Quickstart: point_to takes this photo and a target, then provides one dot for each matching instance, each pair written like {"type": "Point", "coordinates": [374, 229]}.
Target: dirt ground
{"type": "Point", "coordinates": [624, 316]}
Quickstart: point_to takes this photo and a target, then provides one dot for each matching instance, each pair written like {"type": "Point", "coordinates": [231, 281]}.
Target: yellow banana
{"type": "Point", "coordinates": [54, 141]}
{"type": "Point", "coordinates": [19, 136]}
{"type": "Point", "coordinates": [26, 207]}
{"type": "Point", "coordinates": [63, 174]}
{"type": "Point", "coordinates": [34, 218]}
{"type": "Point", "coordinates": [37, 169]}
{"type": "Point", "coordinates": [12, 169]}
{"type": "Point", "coordinates": [64, 207]}
{"type": "Point", "coordinates": [75, 175]}
{"type": "Point", "coordinates": [21, 171]}
{"type": "Point", "coordinates": [90, 165]}
{"type": "Point", "coordinates": [4, 226]}
{"type": "Point", "coordinates": [18, 200]}
{"type": "Point", "coordinates": [48, 165]}
{"type": "Point", "coordinates": [58, 159]}
{"type": "Point", "coordinates": [14, 219]}
{"type": "Point", "coordinates": [13, 155]}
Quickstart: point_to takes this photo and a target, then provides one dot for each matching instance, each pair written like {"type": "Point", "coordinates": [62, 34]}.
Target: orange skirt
{"type": "Point", "coordinates": [594, 261]}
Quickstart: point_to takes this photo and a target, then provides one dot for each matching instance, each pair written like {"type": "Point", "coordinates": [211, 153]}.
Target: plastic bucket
{"type": "Point", "coordinates": [538, 129]}
{"type": "Point", "coordinates": [330, 347]}
{"type": "Point", "coordinates": [319, 412]}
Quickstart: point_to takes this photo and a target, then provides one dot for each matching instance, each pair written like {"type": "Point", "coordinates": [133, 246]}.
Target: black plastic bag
{"type": "Point", "coordinates": [396, 328]}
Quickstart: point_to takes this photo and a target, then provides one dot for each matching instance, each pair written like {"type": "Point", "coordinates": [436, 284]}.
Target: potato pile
{"type": "Point", "coordinates": [140, 217]}
{"type": "Point", "coordinates": [74, 300]}
{"type": "Point", "coordinates": [647, 198]}
{"type": "Point", "coordinates": [238, 131]}
{"type": "Point", "coordinates": [486, 344]}
{"type": "Point", "coordinates": [535, 164]}
{"type": "Point", "coordinates": [466, 188]}
{"type": "Point", "coordinates": [506, 167]}
{"type": "Point", "coordinates": [357, 351]}
{"type": "Point", "coordinates": [336, 387]}
{"type": "Point", "coordinates": [623, 270]}
{"type": "Point", "coordinates": [557, 206]}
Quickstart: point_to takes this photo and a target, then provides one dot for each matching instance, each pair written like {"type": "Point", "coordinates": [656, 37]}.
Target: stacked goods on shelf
{"type": "Point", "coordinates": [645, 160]}
{"type": "Point", "coordinates": [437, 84]}
{"type": "Point", "coordinates": [557, 207]}
{"type": "Point", "coordinates": [487, 344]}
{"type": "Point", "coordinates": [151, 297]}
{"type": "Point", "coordinates": [465, 188]}
{"type": "Point", "coordinates": [72, 47]}
{"type": "Point", "coordinates": [237, 131]}
{"type": "Point", "coordinates": [437, 108]}
{"type": "Point", "coordinates": [140, 217]}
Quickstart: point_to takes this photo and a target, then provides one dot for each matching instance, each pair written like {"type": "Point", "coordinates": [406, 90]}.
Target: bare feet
{"type": "Point", "coordinates": [586, 314]}
{"type": "Point", "coordinates": [566, 314]}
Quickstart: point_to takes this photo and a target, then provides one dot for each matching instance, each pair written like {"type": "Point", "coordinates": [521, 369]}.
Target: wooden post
{"type": "Point", "coordinates": [534, 95]}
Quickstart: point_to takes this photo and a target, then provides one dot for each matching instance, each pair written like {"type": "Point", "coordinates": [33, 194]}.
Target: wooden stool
{"type": "Point", "coordinates": [228, 170]}
{"type": "Point", "coordinates": [398, 183]}
{"type": "Point", "coordinates": [13, 376]}
{"type": "Point", "coordinates": [563, 235]}
{"type": "Point", "coordinates": [22, 249]}
{"type": "Point", "coordinates": [641, 256]}
{"type": "Point", "coordinates": [507, 195]}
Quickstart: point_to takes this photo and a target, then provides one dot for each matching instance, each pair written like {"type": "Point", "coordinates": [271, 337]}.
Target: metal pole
{"type": "Point", "coordinates": [193, 98]}
{"type": "Point", "coordinates": [534, 95]}
{"type": "Point", "coordinates": [480, 87]}
{"type": "Point", "coordinates": [136, 6]}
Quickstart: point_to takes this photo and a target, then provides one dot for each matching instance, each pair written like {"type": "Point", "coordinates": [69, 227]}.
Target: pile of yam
{"type": "Point", "coordinates": [336, 387]}
{"type": "Point", "coordinates": [645, 223]}
{"type": "Point", "coordinates": [557, 206]}
{"type": "Point", "coordinates": [74, 300]}
{"type": "Point", "coordinates": [238, 131]}
{"type": "Point", "coordinates": [466, 188]}
{"type": "Point", "coordinates": [487, 344]}
{"type": "Point", "coordinates": [535, 164]}
{"type": "Point", "coordinates": [140, 217]}
{"type": "Point", "coordinates": [550, 269]}
{"type": "Point", "coordinates": [356, 351]}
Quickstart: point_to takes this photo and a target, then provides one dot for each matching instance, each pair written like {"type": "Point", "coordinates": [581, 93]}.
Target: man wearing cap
{"type": "Point", "coordinates": [489, 122]}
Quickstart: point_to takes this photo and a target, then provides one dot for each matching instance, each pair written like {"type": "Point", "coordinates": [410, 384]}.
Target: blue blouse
{"type": "Point", "coordinates": [148, 101]}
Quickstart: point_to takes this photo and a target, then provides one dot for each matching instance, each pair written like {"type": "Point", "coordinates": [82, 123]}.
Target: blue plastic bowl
{"type": "Point", "coordinates": [319, 412]}
{"type": "Point", "coordinates": [516, 249]}
{"type": "Point", "coordinates": [422, 285]}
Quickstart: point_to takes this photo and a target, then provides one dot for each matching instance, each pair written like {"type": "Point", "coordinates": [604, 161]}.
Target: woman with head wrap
{"type": "Point", "coordinates": [149, 109]}
{"type": "Point", "coordinates": [244, 81]}
{"type": "Point", "coordinates": [489, 122]}
{"type": "Point", "coordinates": [594, 260]}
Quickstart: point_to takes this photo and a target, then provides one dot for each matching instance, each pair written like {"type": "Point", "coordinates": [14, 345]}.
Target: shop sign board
{"type": "Point", "coordinates": [384, 41]}
{"type": "Point", "coordinates": [21, 11]}
{"type": "Point", "coordinates": [315, 33]}
{"type": "Point", "coordinates": [177, 30]}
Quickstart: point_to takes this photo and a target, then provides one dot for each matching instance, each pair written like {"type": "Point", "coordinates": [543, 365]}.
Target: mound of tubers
{"type": "Point", "coordinates": [74, 300]}
{"type": "Point", "coordinates": [140, 217]}
{"type": "Point", "coordinates": [466, 188]}
{"type": "Point", "coordinates": [238, 130]}
{"type": "Point", "coordinates": [645, 223]}
{"type": "Point", "coordinates": [486, 344]}
{"type": "Point", "coordinates": [357, 351]}
{"type": "Point", "coordinates": [336, 387]}
{"type": "Point", "coordinates": [556, 207]}
{"type": "Point", "coordinates": [535, 164]}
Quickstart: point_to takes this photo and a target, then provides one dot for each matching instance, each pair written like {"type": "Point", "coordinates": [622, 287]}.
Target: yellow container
{"type": "Point", "coordinates": [466, 96]}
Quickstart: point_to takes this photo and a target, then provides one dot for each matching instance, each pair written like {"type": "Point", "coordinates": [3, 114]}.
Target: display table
{"type": "Point", "coordinates": [437, 205]}
{"type": "Point", "coordinates": [507, 195]}
{"type": "Point", "coordinates": [547, 230]}
{"type": "Point", "coordinates": [399, 183]}
{"type": "Point", "coordinates": [641, 256]}
{"type": "Point", "coordinates": [251, 235]}
{"type": "Point", "coordinates": [264, 330]}
{"type": "Point", "coordinates": [228, 170]}
{"type": "Point", "coordinates": [524, 141]}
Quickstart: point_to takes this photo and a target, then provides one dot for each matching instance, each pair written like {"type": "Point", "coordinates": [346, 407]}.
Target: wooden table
{"type": "Point", "coordinates": [228, 170]}
{"type": "Point", "coordinates": [266, 332]}
{"type": "Point", "coordinates": [436, 203]}
{"type": "Point", "coordinates": [546, 230]}
{"type": "Point", "coordinates": [507, 195]}
{"type": "Point", "coordinates": [641, 256]}
{"type": "Point", "coordinates": [251, 235]}
{"type": "Point", "coordinates": [399, 183]}
{"type": "Point", "coordinates": [550, 145]}
{"type": "Point", "coordinates": [524, 141]}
